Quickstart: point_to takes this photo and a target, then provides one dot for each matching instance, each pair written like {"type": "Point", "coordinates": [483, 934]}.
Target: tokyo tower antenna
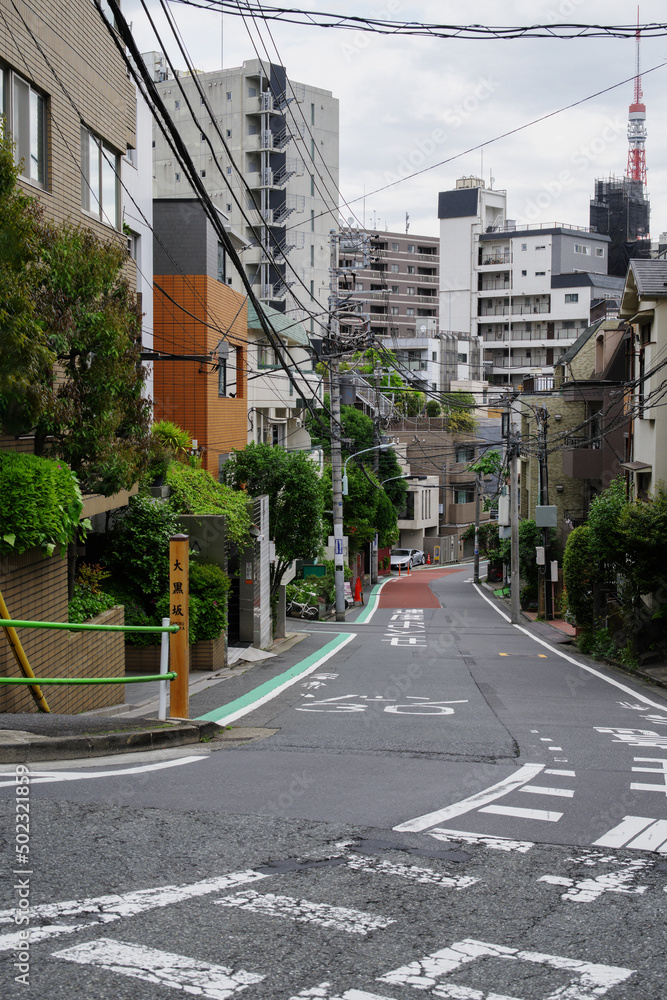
{"type": "Point", "coordinates": [637, 123]}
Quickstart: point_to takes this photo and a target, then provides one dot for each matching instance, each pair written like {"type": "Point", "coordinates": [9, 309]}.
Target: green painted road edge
{"type": "Point", "coordinates": [373, 602]}
{"type": "Point", "coordinates": [270, 689]}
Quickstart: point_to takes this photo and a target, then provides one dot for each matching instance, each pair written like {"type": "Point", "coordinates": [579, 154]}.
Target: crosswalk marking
{"type": "Point", "coordinates": [302, 911]}
{"type": "Point", "coordinates": [589, 981]}
{"type": "Point", "coordinates": [216, 982]}
{"type": "Point", "coordinates": [564, 793]}
{"type": "Point", "coordinates": [587, 890]}
{"type": "Point", "coordinates": [660, 770]}
{"type": "Point", "coordinates": [638, 832]}
{"type": "Point", "coordinates": [565, 774]}
{"type": "Point", "coordinates": [321, 992]}
{"type": "Point", "coordinates": [542, 814]}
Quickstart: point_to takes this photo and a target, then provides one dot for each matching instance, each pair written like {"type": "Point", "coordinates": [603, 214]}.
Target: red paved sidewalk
{"type": "Point", "coordinates": [558, 623]}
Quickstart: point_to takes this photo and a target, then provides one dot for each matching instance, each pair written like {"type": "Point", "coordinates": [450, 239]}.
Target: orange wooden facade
{"type": "Point", "coordinates": [187, 392]}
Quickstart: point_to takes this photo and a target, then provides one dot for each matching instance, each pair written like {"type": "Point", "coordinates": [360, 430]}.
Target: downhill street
{"type": "Point", "coordinates": [424, 800]}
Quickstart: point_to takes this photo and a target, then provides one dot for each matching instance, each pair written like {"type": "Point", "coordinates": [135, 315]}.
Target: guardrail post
{"type": "Point", "coordinates": [179, 648]}
{"type": "Point", "coordinates": [164, 667]}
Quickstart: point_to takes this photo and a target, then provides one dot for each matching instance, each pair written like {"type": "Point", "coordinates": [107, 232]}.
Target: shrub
{"type": "Point", "coordinates": [195, 491]}
{"type": "Point", "coordinates": [40, 504]}
{"type": "Point", "coordinates": [433, 408]}
{"type": "Point", "coordinates": [85, 604]}
{"type": "Point", "coordinates": [138, 545]}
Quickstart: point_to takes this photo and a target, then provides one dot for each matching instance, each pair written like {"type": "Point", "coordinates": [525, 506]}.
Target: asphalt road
{"type": "Point", "coordinates": [437, 804]}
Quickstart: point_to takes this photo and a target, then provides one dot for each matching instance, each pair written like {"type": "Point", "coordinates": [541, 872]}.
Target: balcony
{"type": "Point", "coordinates": [488, 258]}
{"type": "Point", "coordinates": [582, 458]}
{"type": "Point", "coordinates": [487, 286]}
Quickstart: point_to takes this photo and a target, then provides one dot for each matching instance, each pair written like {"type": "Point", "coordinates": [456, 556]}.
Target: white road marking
{"type": "Point", "coordinates": [590, 980]}
{"type": "Point", "coordinates": [589, 889]}
{"type": "Point", "coordinates": [559, 749]}
{"type": "Point", "coordinates": [495, 843]}
{"type": "Point", "coordinates": [107, 909]}
{"type": "Point", "coordinates": [216, 982]}
{"type": "Point", "coordinates": [636, 737]}
{"type": "Point", "coordinates": [662, 771]}
{"type": "Point", "coordinates": [566, 774]}
{"type": "Point", "coordinates": [337, 918]}
{"type": "Point", "coordinates": [637, 832]}
{"type": "Point", "coordinates": [564, 793]}
{"type": "Point", "coordinates": [546, 739]}
{"type": "Point", "coordinates": [570, 659]}
{"type": "Point", "coordinates": [45, 777]}
{"type": "Point", "coordinates": [496, 791]}
{"type": "Point", "coordinates": [541, 814]}
{"type": "Point", "coordinates": [322, 992]}
{"type": "Point", "coordinates": [410, 872]}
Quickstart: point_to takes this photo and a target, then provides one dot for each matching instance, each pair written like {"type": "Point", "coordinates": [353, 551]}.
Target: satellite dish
{"type": "Point", "coordinates": [350, 221]}
{"type": "Point", "coordinates": [422, 329]}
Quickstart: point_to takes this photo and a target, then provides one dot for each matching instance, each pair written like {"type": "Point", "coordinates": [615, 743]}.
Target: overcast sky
{"type": "Point", "coordinates": [408, 103]}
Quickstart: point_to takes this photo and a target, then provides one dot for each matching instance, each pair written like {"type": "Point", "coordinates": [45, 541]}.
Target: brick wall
{"type": "Point", "coordinates": [35, 589]}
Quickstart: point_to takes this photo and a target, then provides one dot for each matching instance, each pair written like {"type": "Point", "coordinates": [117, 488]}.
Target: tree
{"type": "Point", "coordinates": [71, 369]}
{"type": "Point", "coordinates": [459, 409]}
{"type": "Point", "coordinates": [292, 484]}
{"type": "Point", "coordinates": [579, 576]}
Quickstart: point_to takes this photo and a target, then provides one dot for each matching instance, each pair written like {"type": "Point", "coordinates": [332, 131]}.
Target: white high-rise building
{"type": "Point", "coordinates": [278, 137]}
{"type": "Point", "coordinates": [527, 292]}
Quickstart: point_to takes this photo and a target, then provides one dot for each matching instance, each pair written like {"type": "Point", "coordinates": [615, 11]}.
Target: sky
{"type": "Point", "coordinates": [410, 103]}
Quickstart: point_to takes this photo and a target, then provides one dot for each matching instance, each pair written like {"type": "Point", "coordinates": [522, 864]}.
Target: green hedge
{"type": "Point", "coordinates": [40, 504]}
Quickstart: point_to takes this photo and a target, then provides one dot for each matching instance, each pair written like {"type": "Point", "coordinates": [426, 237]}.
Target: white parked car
{"type": "Point", "coordinates": [418, 557]}
{"type": "Point", "coordinates": [402, 558]}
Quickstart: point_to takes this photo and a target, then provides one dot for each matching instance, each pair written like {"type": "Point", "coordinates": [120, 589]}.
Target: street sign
{"type": "Point", "coordinates": [339, 546]}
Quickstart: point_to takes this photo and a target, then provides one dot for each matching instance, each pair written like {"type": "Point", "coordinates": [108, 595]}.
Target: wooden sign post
{"type": "Point", "coordinates": [179, 642]}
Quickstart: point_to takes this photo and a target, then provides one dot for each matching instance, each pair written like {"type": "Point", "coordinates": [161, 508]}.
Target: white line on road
{"type": "Point", "coordinates": [337, 918]}
{"type": "Point", "coordinates": [570, 659]}
{"type": "Point", "coordinates": [566, 774]}
{"type": "Point", "coordinates": [323, 992]}
{"type": "Point", "coordinates": [587, 890]}
{"type": "Point", "coordinates": [410, 872]}
{"type": "Point", "coordinates": [106, 909]}
{"type": "Point", "coordinates": [590, 980]}
{"type": "Point", "coordinates": [564, 793]}
{"type": "Point", "coordinates": [216, 982]}
{"type": "Point", "coordinates": [496, 791]}
{"type": "Point", "coordinates": [495, 843]}
{"type": "Point", "coordinates": [541, 814]}
{"type": "Point", "coordinates": [628, 828]}
{"type": "Point", "coordinates": [46, 777]}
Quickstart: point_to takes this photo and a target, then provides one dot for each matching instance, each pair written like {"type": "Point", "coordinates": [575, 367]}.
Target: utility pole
{"type": "Point", "coordinates": [542, 416]}
{"type": "Point", "coordinates": [514, 445]}
{"type": "Point", "coordinates": [334, 390]}
{"type": "Point", "coordinates": [478, 490]}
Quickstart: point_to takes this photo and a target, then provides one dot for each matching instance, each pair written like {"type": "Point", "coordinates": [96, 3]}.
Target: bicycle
{"type": "Point", "coordinates": [303, 609]}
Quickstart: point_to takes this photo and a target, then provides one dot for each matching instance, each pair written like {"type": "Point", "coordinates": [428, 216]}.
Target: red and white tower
{"type": "Point", "coordinates": [637, 125]}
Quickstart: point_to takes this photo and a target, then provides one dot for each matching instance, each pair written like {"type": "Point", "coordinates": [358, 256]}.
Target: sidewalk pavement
{"type": "Point", "coordinates": [36, 736]}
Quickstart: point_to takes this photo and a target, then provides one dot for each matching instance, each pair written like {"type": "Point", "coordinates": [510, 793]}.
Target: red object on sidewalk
{"type": "Point", "coordinates": [357, 590]}
{"type": "Point", "coordinates": [428, 558]}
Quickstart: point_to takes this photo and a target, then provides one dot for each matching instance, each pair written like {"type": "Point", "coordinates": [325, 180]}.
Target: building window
{"type": "Point", "coordinates": [462, 359]}
{"type": "Point", "coordinates": [571, 297]}
{"type": "Point", "coordinates": [99, 179]}
{"type": "Point", "coordinates": [229, 206]}
{"type": "Point", "coordinates": [540, 274]}
{"type": "Point", "coordinates": [229, 133]}
{"type": "Point", "coordinates": [222, 263]}
{"type": "Point", "coordinates": [177, 177]}
{"type": "Point", "coordinates": [202, 173]}
{"type": "Point", "coordinates": [177, 105]}
{"type": "Point", "coordinates": [541, 248]}
{"type": "Point", "coordinates": [312, 220]}
{"type": "Point", "coordinates": [411, 268]}
{"type": "Point", "coordinates": [465, 454]}
{"type": "Point", "coordinates": [25, 112]}
{"type": "Point", "coordinates": [252, 91]}
{"type": "Point", "coordinates": [253, 129]}
{"type": "Point", "coordinates": [410, 290]}
{"type": "Point", "coordinates": [229, 95]}
{"type": "Point", "coordinates": [312, 255]}
{"type": "Point", "coordinates": [464, 496]}
{"type": "Point", "coordinates": [411, 248]}
{"type": "Point", "coordinates": [222, 376]}
{"type": "Point", "coordinates": [394, 310]}
{"type": "Point", "coordinates": [599, 251]}
{"type": "Point", "coordinates": [394, 268]}
{"type": "Point", "coordinates": [229, 170]}
{"type": "Point", "coordinates": [395, 247]}
{"type": "Point", "coordinates": [153, 144]}
{"type": "Point", "coordinates": [312, 114]}
{"type": "Point", "coordinates": [524, 273]}
{"type": "Point", "coordinates": [434, 355]}
{"type": "Point", "coordinates": [409, 311]}
{"type": "Point", "coordinates": [524, 246]}
{"type": "Point", "coordinates": [582, 248]}
{"type": "Point", "coordinates": [312, 185]}
{"type": "Point", "coordinates": [394, 289]}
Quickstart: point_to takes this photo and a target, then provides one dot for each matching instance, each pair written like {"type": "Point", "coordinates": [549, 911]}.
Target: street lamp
{"type": "Point", "coordinates": [406, 475]}
{"type": "Point", "coordinates": [375, 447]}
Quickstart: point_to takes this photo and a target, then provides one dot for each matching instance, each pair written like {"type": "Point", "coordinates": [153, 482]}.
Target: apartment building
{"type": "Point", "coordinates": [527, 291]}
{"type": "Point", "coordinates": [266, 149]}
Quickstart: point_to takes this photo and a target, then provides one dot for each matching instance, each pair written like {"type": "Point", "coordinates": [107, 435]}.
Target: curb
{"type": "Point", "coordinates": [104, 744]}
